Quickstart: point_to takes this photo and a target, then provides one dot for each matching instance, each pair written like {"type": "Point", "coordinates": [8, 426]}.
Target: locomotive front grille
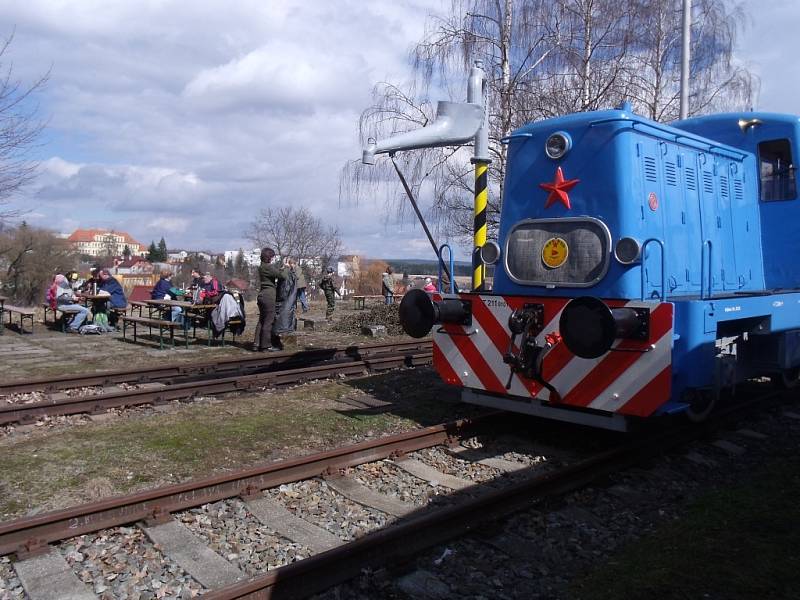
{"type": "Point", "coordinates": [588, 243]}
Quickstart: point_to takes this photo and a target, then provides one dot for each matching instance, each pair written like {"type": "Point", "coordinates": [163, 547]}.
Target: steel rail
{"type": "Point", "coordinates": [98, 403]}
{"type": "Point", "coordinates": [230, 366]}
{"type": "Point", "coordinates": [425, 528]}
{"type": "Point", "coordinates": [27, 534]}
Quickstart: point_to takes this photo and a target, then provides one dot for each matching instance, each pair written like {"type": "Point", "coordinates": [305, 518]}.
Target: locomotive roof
{"type": "Point", "coordinates": [698, 131]}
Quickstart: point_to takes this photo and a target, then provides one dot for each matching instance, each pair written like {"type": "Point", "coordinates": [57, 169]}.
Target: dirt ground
{"type": "Point", "coordinates": [49, 352]}
{"type": "Point", "coordinates": [67, 460]}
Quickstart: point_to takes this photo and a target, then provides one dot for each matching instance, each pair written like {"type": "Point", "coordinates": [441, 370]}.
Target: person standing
{"type": "Point", "coordinates": [387, 286]}
{"type": "Point", "coordinates": [300, 278]}
{"type": "Point", "coordinates": [268, 275]}
{"type": "Point", "coordinates": [327, 286]}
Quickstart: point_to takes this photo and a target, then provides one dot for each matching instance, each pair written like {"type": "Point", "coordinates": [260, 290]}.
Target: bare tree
{"type": "Point", "coordinates": [717, 83]}
{"type": "Point", "coordinates": [295, 232]}
{"type": "Point", "coordinates": [29, 257]}
{"type": "Point", "coordinates": [19, 128]}
{"type": "Point", "coordinates": [543, 58]}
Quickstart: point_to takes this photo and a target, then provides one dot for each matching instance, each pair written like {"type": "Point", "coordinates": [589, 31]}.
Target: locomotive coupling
{"type": "Point", "coordinates": [589, 326]}
{"type": "Point", "coordinates": [419, 312]}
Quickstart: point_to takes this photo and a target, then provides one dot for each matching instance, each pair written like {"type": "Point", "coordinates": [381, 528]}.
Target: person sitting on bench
{"type": "Point", "coordinates": [61, 297]}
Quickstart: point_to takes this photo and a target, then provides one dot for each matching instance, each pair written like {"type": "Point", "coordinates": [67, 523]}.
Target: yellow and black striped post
{"type": "Point", "coordinates": [481, 200]}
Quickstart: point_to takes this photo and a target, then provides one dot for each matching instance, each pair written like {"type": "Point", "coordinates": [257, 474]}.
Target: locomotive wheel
{"type": "Point", "coordinates": [701, 404]}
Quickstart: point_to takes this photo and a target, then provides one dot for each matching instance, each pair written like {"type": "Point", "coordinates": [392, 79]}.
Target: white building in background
{"type": "Point", "coordinates": [252, 257]}
{"type": "Point", "coordinates": [178, 256]}
{"type": "Point", "coordinates": [104, 242]}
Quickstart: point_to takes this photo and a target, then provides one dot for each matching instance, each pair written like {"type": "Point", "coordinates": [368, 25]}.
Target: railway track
{"type": "Point", "coordinates": [158, 385]}
{"type": "Point", "coordinates": [178, 372]}
{"type": "Point", "coordinates": [504, 487]}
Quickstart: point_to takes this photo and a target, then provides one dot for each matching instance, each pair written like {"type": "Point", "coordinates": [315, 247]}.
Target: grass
{"type": "Point", "coordinates": [59, 467]}
{"type": "Point", "coordinates": [736, 543]}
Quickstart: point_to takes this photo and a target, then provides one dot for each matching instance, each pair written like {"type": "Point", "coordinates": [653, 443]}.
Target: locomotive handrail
{"type": "Point", "coordinates": [703, 269]}
{"type": "Point", "coordinates": [507, 139]}
{"type": "Point", "coordinates": [686, 139]}
{"type": "Point", "coordinates": [452, 268]}
{"type": "Point", "coordinates": [663, 267]}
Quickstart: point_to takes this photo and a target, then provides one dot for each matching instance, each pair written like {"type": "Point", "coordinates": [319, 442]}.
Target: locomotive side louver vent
{"type": "Point", "coordinates": [691, 180]}
{"type": "Point", "coordinates": [588, 240]}
{"type": "Point", "coordinates": [738, 190]}
{"type": "Point", "coordinates": [708, 182]}
{"type": "Point", "coordinates": [650, 168]}
{"type": "Point", "coordinates": [672, 174]}
{"type": "Point", "coordinates": [723, 186]}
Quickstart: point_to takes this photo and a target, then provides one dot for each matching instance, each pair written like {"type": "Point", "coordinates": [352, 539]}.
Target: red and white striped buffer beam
{"type": "Point", "coordinates": [633, 378]}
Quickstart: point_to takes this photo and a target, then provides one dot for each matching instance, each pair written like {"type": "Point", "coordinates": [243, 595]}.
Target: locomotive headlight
{"type": "Point", "coordinates": [490, 253]}
{"type": "Point", "coordinates": [558, 144]}
{"type": "Point", "coordinates": [628, 250]}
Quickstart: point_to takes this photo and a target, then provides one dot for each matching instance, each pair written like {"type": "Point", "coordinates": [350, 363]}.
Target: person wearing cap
{"type": "Point", "coordinates": [74, 279]}
{"type": "Point", "coordinates": [326, 285]}
{"type": "Point", "coordinates": [429, 287]}
{"type": "Point", "coordinates": [268, 275]}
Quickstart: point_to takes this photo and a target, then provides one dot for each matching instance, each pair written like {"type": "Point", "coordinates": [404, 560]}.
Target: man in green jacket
{"type": "Point", "coordinates": [326, 285]}
{"type": "Point", "coordinates": [268, 275]}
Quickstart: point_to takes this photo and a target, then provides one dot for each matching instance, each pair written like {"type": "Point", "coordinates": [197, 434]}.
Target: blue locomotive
{"type": "Point", "coordinates": [640, 269]}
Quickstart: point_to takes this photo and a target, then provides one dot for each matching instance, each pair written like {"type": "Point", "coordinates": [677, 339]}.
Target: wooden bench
{"type": "Point", "coordinates": [23, 313]}
{"type": "Point", "coordinates": [233, 321]}
{"type": "Point", "coordinates": [360, 302]}
{"type": "Point", "coordinates": [161, 324]}
{"type": "Point", "coordinates": [47, 308]}
{"type": "Point", "coordinates": [138, 306]}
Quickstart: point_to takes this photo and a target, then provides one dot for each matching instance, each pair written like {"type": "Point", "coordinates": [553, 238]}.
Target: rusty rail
{"type": "Point", "coordinates": [29, 533]}
{"type": "Point", "coordinates": [231, 366]}
{"type": "Point", "coordinates": [26, 413]}
{"type": "Point", "coordinates": [426, 528]}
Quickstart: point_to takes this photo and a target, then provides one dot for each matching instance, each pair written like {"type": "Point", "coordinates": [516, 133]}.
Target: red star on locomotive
{"type": "Point", "coordinates": [558, 189]}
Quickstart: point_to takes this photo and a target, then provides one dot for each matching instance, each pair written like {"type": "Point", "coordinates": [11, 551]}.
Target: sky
{"type": "Point", "coordinates": [183, 119]}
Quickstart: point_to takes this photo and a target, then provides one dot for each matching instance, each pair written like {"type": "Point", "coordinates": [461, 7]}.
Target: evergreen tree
{"type": "Point", "coordinates": [162, 250]}
{"type": "Point", "coordinates": [126, 252]}
{"type": "Point", "coordinates": [152, 252]}
{"type": "Point", "coordinates": [240, 267]}
{"type": "Point", "coordinates": [229, 268]}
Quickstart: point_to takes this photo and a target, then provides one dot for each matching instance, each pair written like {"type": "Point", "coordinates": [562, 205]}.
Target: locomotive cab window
{"type": "Point", "coordinates": [777, 171]}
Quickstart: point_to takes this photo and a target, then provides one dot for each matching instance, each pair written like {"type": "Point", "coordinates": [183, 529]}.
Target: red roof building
{"type": "Point", "coordinates": [104, 242]}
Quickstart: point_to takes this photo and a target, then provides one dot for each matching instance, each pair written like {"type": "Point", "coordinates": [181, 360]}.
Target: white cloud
{"type": "Point", "coordinates": [169, 224]}
{"type": "Point", "coordinates": [183, 119]}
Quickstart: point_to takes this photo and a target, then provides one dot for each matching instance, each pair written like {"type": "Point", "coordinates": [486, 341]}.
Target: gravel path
{"type": "Point", "coordinates": [535, 554]}
{"type": "Point", "coordinates": [316, 502]}
{"type": "Point", "coordinates": [122, 563]}
{"type": "Point", "coordinates": [10, 586]}
{"type": "Point", "coordinates": [233, 532]}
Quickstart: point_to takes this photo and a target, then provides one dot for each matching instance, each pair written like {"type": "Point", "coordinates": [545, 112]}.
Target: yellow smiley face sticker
{"type": "Point", "coordinates": [555, 252]}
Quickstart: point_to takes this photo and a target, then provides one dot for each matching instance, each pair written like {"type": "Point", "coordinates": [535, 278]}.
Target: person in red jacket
{"type": "Point", "coordinates": [209, 289]}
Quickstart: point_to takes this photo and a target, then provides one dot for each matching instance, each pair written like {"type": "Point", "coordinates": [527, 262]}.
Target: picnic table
{"type": "Point", "coordinates": [192, 311]}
